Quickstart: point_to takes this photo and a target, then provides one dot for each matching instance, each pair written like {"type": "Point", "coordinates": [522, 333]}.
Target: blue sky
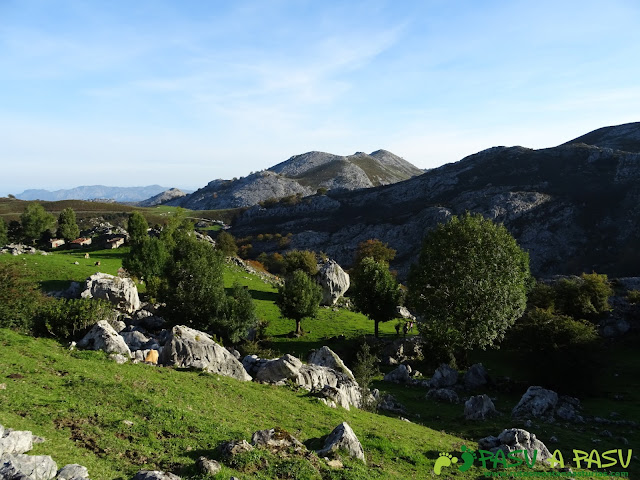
{"type": "Point", "coordinates": [182, 92]}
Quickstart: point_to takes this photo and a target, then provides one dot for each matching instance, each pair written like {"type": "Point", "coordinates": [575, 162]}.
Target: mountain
{"type": "Point", "coordinates": [119, 194]}
{"type": "Point", "coordinates": [162, 198]}
{"type": "Point", "coordinates": [575, 207]}
{"type": "Point", "coordinates": [302, 175]}
{"type": "Point", "coordinates": [621, 137]}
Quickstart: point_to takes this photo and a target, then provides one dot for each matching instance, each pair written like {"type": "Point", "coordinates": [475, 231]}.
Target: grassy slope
{"type": "Point", "coordinates": [78, 400]}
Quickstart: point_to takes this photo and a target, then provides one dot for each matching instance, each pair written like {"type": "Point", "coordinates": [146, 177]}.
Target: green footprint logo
{"type": "Point", "coordinates": [444, 460]}
{"type": "Point", "coordinates": [468, 457]}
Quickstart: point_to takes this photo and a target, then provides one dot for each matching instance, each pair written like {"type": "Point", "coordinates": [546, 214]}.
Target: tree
{"type": "Point", "coordinates": [137, 228]}
{"type": "Point", "coordinates": [67, 225]}
{"type": "Point", "coordinates": [240, 314]}
{"type": "Point", "coordinates": [226, 244]}
{"type": "Point", "coordinates": [4, 232]}
{"type": "Point", "coordinates": [147, 259]}
{"type": "Point", "coordinates": [374, 248]}
{"type": "Point", "coordinates": [300, 260]}
{"type": "Point", "coordinates": [375, 291]}
{"type": "Point", "coordinates": [299, 298]}
{"type": "Point", "coordinates": [35, 221]}
{"type": "Point", "coordinates": [194, 293]}
{"type": "Point", "coordinates": [469, 284]}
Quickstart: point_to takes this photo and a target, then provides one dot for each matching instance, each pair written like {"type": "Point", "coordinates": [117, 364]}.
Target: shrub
{"type": "Point", "coordinates": [226, 243]}
{"type": "Point", "coordinates": [585, 297]}
{"type": "Point", "coordinates": [633, 296]}
{"type": "Point", "coordinates": [4, 232]}
{"type": "Point", "coordinates": [374, 248]}
{"type": "Point", "coordinates": [364, 371]}
{"type": "Point", "coordinates": [67, 319]}
{"type": "Point", "coordinates": [304, 260]}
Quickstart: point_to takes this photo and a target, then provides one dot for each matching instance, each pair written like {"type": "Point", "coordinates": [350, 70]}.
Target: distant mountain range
{"type": "Point", "coordinates": [575, 207]}
{"type": "Point", "coordinates": [302, 175]}
{"type": "Point", "coordinates": [118, 194]}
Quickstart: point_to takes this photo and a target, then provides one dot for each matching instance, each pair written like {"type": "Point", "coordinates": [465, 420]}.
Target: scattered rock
{"type": "Point", "coordinates": [343, 438]}
{"type": "Point", "coordinates": [445, 395]}
{"type": "Point", "coordinates": [476, 377]}
{"type": "Point", "coordinates": [402, 374]}
{"type": "Point", "coordinates": [27, 467]}
{"type": "Point", "coordinates": [207, 466]}
{"type": "Point", "coordinates": [15, 441]}
{"type": "Point", "coordinates": [136, 340]}
{"type": "Point", "coordinates": [121, 292]}
{"type": "Point", "coordinates": [333, 280]}
{"type": "Point", "coordinates": [103, 337]}
{"type": "Point", "coordinates": [73, 472]}
{"type": "Point", "coordinates": [189, 348]}
{"type": "Point", "coordinates": [479, 407]}
{"type": "Point", "coordinates": [155, 475]}
{"type": "Point", "coordinates": [235, 447]}
{"type": "Point", "coordinates": [118, 358]}
{"type": "Point", "coordinates": [444, 376]}
{"type": "Point", "coordinates": [280, 370]}
{"type": "Point", "coordinates": [536, 402]}
{"type": "Point", "coordinates": [335, 463]}
{"type": "Point", "coordinates": [388, 403]}
{"type": "Point", "coordinates": [276, 439]}
{"type": "Point", "coordinates": [517, 439]}
{"type": "Point", "coordinates": [325, 357]}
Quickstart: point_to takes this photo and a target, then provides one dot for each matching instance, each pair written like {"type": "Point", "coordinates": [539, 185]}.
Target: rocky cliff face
{"type": "Point", "coordinates": [302, 175]}
{"type": "Point", "coordinates": [162, 198]}
{"type": "Point", "coordinates": [574, 207]}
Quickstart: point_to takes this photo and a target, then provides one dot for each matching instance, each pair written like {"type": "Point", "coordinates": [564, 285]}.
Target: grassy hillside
{"type": "Point", "coordinates": [83, 403]}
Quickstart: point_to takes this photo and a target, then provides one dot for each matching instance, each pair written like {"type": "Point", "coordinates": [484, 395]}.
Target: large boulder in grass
{"type": "Point", "coordinates": [443, 377]}
{"type": "Point", "coordinates": [27, 467]}
{"type": "Point", "coordinates": [334, 282]}
{"type": "Point", "coordinates": [189, 348]}
{"type": "Point", "coordinates": [537, 402]}
{"type": "Point", "coordinates": [479, 407]}
{"type": "Point", "coordinates": [121, 292]}
{"type": "Point", "coordinates": [342, 438]}
{"type": "Point", "coordinates": [73, 472]}
{"type": "Point", "coordinates": [516, 439]}
{"type": "Point", "coordinates": [102, 336]}
{"type": "Point", "coordinates": [476, 377]}
{"type": "Point", "coordinates": [325, 357]}
{"type": "Point", "coordinates": [15, 441]}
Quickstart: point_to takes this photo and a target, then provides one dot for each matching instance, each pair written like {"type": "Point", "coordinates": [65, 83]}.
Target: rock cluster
{"type": "Point", "coordinates": [513, 439]}
{"type": "Point", "coordinates": [547, 405]}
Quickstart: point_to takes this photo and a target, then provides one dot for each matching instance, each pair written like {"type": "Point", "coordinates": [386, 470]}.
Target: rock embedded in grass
{"type": "Point", "coordinates": [343, 438]}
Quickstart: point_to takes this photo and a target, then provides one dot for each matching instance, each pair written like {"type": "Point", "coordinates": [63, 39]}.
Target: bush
{"type": "Point", "coordinates": [364, 371]}
{"type": "Point", "coordinates": [19, 299]}
{"type": "Point", "coordinates": [585, 297]}
{"type": "Point", "coordinates": [304, 260]}
{"type": "Point", "coordinates": [4, 232]}
{"type": "Point", "coordinates": [633, 296]}
{"type": "Point", "coordinates": [70, 319]}
{"type": "Point", "coordinates": [226, 244]}
{"type": "Point", "coordinates": [240, 315]}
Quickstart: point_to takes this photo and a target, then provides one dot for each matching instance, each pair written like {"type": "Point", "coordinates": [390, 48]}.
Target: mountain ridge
{"type": "Point", "coordinates": [90, 192]}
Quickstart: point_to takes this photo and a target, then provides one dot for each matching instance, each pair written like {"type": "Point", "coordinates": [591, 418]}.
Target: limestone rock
{"type": "Point", "coordinates": [279, 370]}
{"type": "Point", "coordinates": [235, 447]}
{"type": "Point", "coordinates": [102, 336]}
{"type": "Point", "coordinates": [189, 348]}
{"type": "Point", "coordinates": [402, 374]}
{"type": "Point", "coordinates": [27, 467]}
{"type": "Point", "coordinates": [136, 340]}
{"type": "Point", "coordinates": [154, 475]}
{"type": "Point", "coordinates": [276, 439]}
{"type": "Point", "coordinates": [121, 292]}
{"type": "Point", "coordinates": [207, 466]}
{"type": "Point", "coordinates": [389, 403]}
{"type": "Point", "coordinates": [325, 357]}
{"type": "Point", "coordinates": [536, 402]}
{"type": "Point", "coordinates": [118, 358]}
{"type": "Point", "coordinates": [445, 395]}
{"type": "Point", "coordinates": [476, 377]}
{"type": "Point", "coordinates": [517, 439]}
{"type": "Point", "coordinates": [343, 438]}
{"type": "Point", "coordinates": [334, 282]}
{"type": "Point", "coordinates": [479, 407]}
{"type": "Point", "coordinates": [73, 472]}
{"type": "Point", "coordinates": [15, 441]}
{"type": "Point", "coordinates": [444, 376]}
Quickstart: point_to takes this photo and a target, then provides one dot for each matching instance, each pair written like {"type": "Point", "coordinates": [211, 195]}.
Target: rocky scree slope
{"type": "Point", "coordinates": [303, 175]}
{"type": "Point", "coordinates": [574, 208]}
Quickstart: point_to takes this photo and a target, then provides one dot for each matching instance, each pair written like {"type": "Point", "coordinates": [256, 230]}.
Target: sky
{"type": "Point", "coordinates": [179, 93]}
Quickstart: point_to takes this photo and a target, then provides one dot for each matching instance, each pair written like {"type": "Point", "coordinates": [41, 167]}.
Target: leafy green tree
{"type": "Point", "coordinates": [299, 298]}
{"type": "Point", "coordinates": [226, 244]}
{"type": "Point", "coordinates": [469, 284]}
{"type": "Point", "coordinates": [14, 231]}
{"type": "Point", "coordinates": [375, 291]}
{"type": "Point", "coordinates": [35, 221]}
{"type": "Point", "coordinates": [240, 314]}
{"type": "Point", "coordinates": [376, 249]}
{"type": "Point", "coordinates": [585, 297]}
{"type": "Point", "coordinates": [364, 371]}
{"type": "Point", "coordinates": [300, 260]}
{"type": "Point", "coordinates": [137, 227]}
{"type": "Point", "coordinates": [147, 259]}
{"type": "Point", "coordinates": [194, 292]}
{"type": "Point", "coordinates": [4, 232]}
{"type": "Point", "coordinates": [67, 226]}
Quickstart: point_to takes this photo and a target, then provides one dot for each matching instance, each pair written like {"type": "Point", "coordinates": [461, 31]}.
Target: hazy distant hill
{"type": "Point", "coordinates": [302, 174]}
{"type": "Point", "coordinates": [119, 194]}
{"type": "Point", "coordinates": [575, 208]}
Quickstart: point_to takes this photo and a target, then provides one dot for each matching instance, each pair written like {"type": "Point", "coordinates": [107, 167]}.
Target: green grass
{"type": "Point", "coordinates": [327, 324]}
{"type": "Point", "coordinates": [79, 402]}
{"type": "Point", "coordinates": [57, 270]}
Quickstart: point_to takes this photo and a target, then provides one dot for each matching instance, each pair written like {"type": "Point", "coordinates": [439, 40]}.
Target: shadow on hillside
{"type": "Point", "coordinates": [54, 285]}
{"type": "Point", "coordinates": [257, 294]}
